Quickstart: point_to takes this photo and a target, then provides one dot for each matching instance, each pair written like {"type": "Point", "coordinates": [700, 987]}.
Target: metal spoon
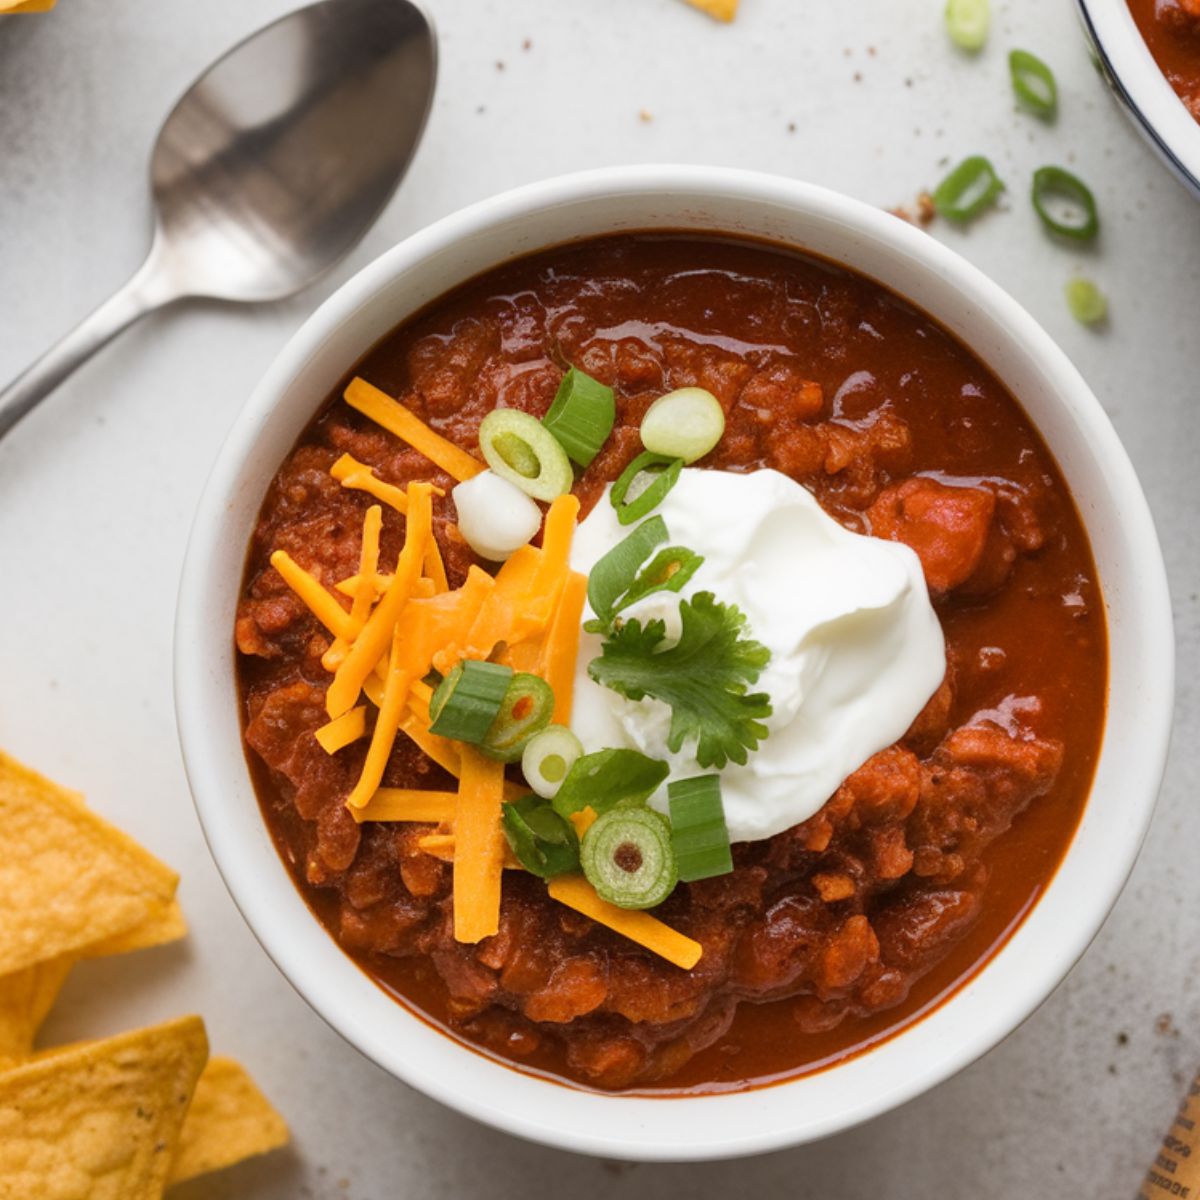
{"type": "Point", "coordinates": [269, 169]}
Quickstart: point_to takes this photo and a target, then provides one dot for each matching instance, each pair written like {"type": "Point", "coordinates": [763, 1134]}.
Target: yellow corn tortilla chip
{"type": "Point", "coordinates": [100, 1120]}
{"type": "Point", "coordinates": [723, 10]}
{"type": "Point", "coordinates": [68, 879]}
{"type": "Point", "coordinates": [25, 998]}
{"type": "Point", "coordinates": [165, 924]}
{"type": "Point", "coordinates": [229, 1120]}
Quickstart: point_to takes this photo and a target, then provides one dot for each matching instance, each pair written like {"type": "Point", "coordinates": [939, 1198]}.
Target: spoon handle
{"type": "Point", "coordinates": [146, 291]}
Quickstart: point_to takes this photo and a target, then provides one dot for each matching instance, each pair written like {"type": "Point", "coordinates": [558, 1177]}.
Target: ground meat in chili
{"type": "Point", "coordinates": [837, 932]}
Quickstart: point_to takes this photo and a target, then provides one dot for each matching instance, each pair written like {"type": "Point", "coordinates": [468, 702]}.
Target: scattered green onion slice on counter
{"type": "Point", "coordinates": [467, 701]}
{"type": "Point", "coordinates": [686, 423]}
{"type": "Point", "coordinates": [1088, 304]}
{"type": "Point", "coordinates": [1033, 82]}
{"type": "Point", "coordinates": [615, 571]}
{"type": "Point", "coordinates": [699, 835]}
{"type": "Point", "coordinates": [967, 23]}
{"type": "Point", "coordinates": [545, 844]}
{"type": "Point", "coordinates": [609, 779]}
{"type": "Point", "coordinates": [548, 757]}
{"type": "Point", "coordinates": [582, 416]}
{"type": "Point", "coordinates": [968, 190]}
{"type": "Point", "coordinates": [522, 450]}
{"type": "Point", "coordinates": [1081, 220]}
{"type": "Point", "coordinates": [626, 856]}
{"type": "Point", "coordinates": [649, 477]}
{"type": "Point", "coordinates": [525, 710]}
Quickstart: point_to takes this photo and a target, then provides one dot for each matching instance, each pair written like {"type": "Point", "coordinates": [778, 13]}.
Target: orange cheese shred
{"type": "Point", "coordinates": [371, 644]}
{"type": "Point", "coordinates": [441, 845]}
{"type": "Point", "coordinates": [503, 615]}
{"type": "Point", "coordinates": [408, 804]}
{"type": "Point", "coordinates": [408, 427]}
{"type": "Point", "coordinates": [558, 532]}
{"type": "Point", "coordinates": [348, 728]}
{"type": "Point", "coordinates": [435, 569]}
{"type": "Point", "coordinates": [479, 847]}
{"type": "Point", "coordinates": [560, 649]}
{"type": "Point", "coordinates": [391, 710]}
{"type": "Point", "coordinates": [351, 473]}
{"type": "Point", "coordinates": [322, 604]}
{"type": "Point", "coordinates": [575, 892]}
{"type": "Point", "coordinates": [364, 595]}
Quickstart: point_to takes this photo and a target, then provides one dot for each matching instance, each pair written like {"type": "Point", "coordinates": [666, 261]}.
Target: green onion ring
{"type": "Point", "coordinates": [967, 23]}
{"type": "Point", "coordinates": [1088, 304]}
{"type": "Point", "coordinates": [582, 416]}
{"type": "Point", "coordinates": [525, 710]}
{"type": "Point", "coordinates": [699, 835]}
{"type": "Point", "coordinates": [1055, 182]}
{"type": "Point", "coordinates": [666, 474]}
{"type": "Point", "coordinates": [626, 856]}
{"type": "Point", "coordinates": [1034, 83]}
{"type": "Point", "coordinates": [466, 703]}
{"type": "Point", "coordinates": [522, 450]}
{"type": "Point", "coordinates": [969, 189]}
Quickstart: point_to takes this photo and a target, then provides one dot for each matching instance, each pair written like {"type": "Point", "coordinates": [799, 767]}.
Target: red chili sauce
{"type": "Point", "coordinates": [1171, 29]}
{"type": "Point", "coordinates": [832, 935]}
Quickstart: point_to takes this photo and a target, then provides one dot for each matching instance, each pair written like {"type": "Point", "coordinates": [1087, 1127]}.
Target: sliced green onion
{"type": "Point", "coordinates": [522, 450]}
{"type": "Point", "coordinates": [1081, 220]}
{"type": "Point", "coordinates": [699, 835]}
{"type": "Point", "coordinates": [967, 23]}
{"type": "Point", "coordinates": [615, 571]}
{"type": "Point", "coordinates": [1033, 82]}
{"type": "Point", "coordinates": [582, 416]}
{"type": "Point", "coordinates": [626, 856]}
{"type": "Point", "coordinates": [649, 477]}
{"type": "Point", "coordinates": [969, 189]}
{"type": "Point", "coordinates": [548, 757]}
{"type": "Point", "coordinates": [686, 423]}
{"type": "Point", "coordinates": [1088, 304]}
{"type": "Point", "coordinates": [467, 701]}
{"type": "Point", "coordinates": [525, 709]}
{"type": "Point", "coordinates": [668, 571]}
{"type": "Point", "coordinates": [544, 843]}
{"type": "Point", "coordinates": [609, 778]}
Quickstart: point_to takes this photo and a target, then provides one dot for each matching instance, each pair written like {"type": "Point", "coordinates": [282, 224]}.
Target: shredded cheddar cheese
{"type": "Point", "coordinates": [408, 804]}
{"type": "Point", "coordinates": [479, 847]}
{"type": "Point", "coordinates": [575, 892]}
{"type": "Point", "coordinates": [371, 644]}
{"type": "Point", "coordinates": [322, 604]}
{"type": "Point", "coordinates": [408, 427]}
{"type": "Point", "coordinates": [348, 728]}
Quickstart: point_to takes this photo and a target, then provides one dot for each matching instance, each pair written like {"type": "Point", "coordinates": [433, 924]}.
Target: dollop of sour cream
{"type": "Point", "coordinates": [856, 648]}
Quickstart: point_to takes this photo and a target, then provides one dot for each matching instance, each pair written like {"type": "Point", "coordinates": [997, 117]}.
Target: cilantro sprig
{"type": "Point", "coordinates": [704, 677]}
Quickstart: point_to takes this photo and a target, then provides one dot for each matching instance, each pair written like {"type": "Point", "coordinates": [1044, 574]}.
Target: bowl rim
{"type": "Point", "coordinates": [619, 1125]}
{"type": "Point", "coordinates": [1142, 88]}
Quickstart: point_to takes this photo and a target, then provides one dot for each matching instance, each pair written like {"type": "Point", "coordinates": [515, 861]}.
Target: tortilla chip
{"type": "Point", "coordinates": [25, 999]}
{"type": "Point", "coordinates": [723, 10]}
{"type": "Point", "coordinates": [165, 924]}
{"type": "Point", "coordinates": [100, 1120]}
{"type": "Point", "coordinates": [67, 878]}
{"type": "Point", "coordinates": [230, 1120]}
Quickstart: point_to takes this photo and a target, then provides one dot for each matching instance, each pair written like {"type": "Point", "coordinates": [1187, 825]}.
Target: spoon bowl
{"type": "Point", "coordinates": [270, 169]}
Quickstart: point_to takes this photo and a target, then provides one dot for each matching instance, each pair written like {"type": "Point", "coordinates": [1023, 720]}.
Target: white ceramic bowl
{"type": "Point", "coordinates": [986, 319]}
{"type": "Point", "coordinates": [1140, 86]}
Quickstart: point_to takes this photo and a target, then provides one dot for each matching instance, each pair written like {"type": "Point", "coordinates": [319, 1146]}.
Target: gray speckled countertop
{"type": "Point", "coordinates": [867, 98]}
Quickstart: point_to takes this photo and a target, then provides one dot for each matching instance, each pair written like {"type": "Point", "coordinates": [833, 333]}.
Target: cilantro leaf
{"type": "Point", "coordinates": [703, 677]}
